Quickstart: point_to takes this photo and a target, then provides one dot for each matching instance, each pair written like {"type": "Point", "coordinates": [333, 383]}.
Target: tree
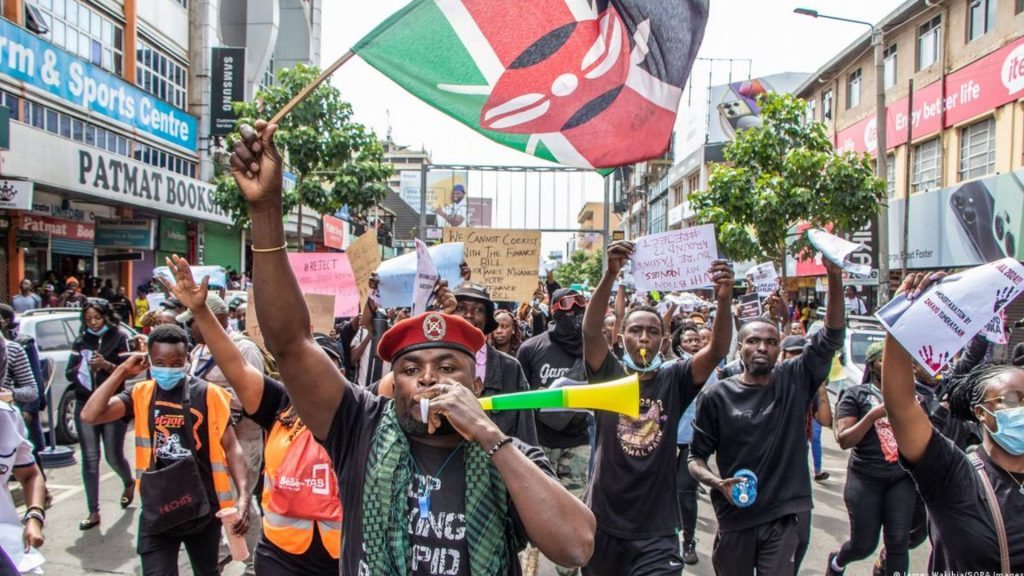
{"type": "Point", "coordinates": [781, 174]}
{"type": "Point", "coordinates": [336, 162]}
{"type": "Point", "coordinates": [582, 268]}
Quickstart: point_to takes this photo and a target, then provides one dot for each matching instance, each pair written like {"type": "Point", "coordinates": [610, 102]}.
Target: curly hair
{"type": "Point", "coordinates": [966, 391]}
{"type": "Point", "coordinates": [637, 309]}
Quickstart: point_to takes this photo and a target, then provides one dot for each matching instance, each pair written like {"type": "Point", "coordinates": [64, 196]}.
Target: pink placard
{"type": "Point", "coordinates": [327, 273]}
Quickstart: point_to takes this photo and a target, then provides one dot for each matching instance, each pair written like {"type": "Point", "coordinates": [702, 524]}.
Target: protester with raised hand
{"type": "Point", "coordinates": [392, 463]}
{"type": "Point", "coordinates": [953, 485]}
{"type": "Point", "coordinates": [633, 492]}
{"type": "Point", "coordinates": [757, 421]}
{"type": "Point", "coordinates": [301, 533]}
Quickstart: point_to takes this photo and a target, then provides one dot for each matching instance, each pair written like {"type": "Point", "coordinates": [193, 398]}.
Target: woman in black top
{"type": "Point", "coordinates": [879, 494]}
{"type": "Point", "coordinates": [98, 349]}
{"type": "Point", "coordinates": [950, 482]}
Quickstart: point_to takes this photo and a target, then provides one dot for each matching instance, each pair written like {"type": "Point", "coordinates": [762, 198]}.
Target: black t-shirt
{"type": "Point", "coordinates": [633, 493]}
{"type": "Point", "coordinates": [868, 457]}
{"type": "Point", "coordinates": [441, 538]}
{"type": "Point", "coordinates": [763, 429]}
{"type": "Point", "coordinates": [543, 362]}
{"type": "Point", "coordinates": [963, 538]}
{"type": "Point", "coordinates": [316, 559]}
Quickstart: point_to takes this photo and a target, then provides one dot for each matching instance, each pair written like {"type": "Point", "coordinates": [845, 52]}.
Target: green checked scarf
{"type": "Point", "coordinates": [386, 506]}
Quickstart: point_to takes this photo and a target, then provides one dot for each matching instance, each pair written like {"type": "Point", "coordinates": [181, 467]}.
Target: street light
{"type": "Point", "coordinates": [881, 150]}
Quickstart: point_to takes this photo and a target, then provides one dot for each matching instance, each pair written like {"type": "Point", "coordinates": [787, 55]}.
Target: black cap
{"type": "Point", "coordinates": [793, 343]}
{"type": "Point", "coordinates": [479, 293]}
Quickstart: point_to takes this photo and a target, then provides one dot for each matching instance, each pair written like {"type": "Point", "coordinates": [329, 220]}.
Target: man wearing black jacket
{"type": "Point", "coordinates": [757, 421]}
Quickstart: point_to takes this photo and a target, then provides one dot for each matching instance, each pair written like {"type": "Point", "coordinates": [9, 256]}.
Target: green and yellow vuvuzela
{"type": "Point", "coordinates": [621, 396]}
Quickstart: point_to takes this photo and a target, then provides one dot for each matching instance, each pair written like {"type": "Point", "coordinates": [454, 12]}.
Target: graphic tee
{"type": "Point", "coordinates": [543, 362]}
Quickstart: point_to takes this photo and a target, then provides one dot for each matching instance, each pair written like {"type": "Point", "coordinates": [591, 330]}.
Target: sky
{"type": "Point", "coordinates": [764, 32]}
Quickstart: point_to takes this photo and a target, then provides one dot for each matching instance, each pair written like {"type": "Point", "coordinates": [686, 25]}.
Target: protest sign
{"type": "Point", "coordinates": [764, 279]}
{"type": "Point", "coordinates": [750, 306]}
{"type": "Point", "coordinates": [321, 316]}
{"type": "Point", "coordinates": [504, 261]}
{"type": "Point", "coordinates": [155, 299]}
{"type": "Point", "coordinates": [426, 279]}
{"type": "Point", "coordinates": [838, 251]}
{"type": "Point", "coordinates": [364, 258]}
{"type": "Point", "coordinates": [398, 275]}
{"type": "Point", "coordinates": [327, 273]}
{"type": "Point", "coordinates": [940, 322]}
{"type": "Point", "coordinates": [676, 260]}
{"type": "Point", "coordinates": [995, 330]}
{"type": "Point", "coordinates": [218, 277]}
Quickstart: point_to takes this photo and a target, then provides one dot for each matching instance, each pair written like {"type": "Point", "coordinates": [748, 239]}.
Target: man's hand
{"type": "Point", "coordinates": [241, 524]}
{"type": "Point", "coordinates": [465, 271]}
{"type": "Point", "coordinates": [724, 486]}
{"type": "Point", "coordinates": [462, 409]}
{"type": "Point", "coordinates": [618, 254]}
{"type": "Point", "coordinates": [831, 268]}
{"type": "Point", "coordinates": [136, 364]}
{"type": "Point", "coordinates": [32, 535]}
{"type": "Point", "coordinates": [444, 299]}
{"type": "Point", "coordinates": [185, 288]}
{"type": "Point", "coordinates": [256, 163]}
{"type": "Point", "coordinates": [723, 278]}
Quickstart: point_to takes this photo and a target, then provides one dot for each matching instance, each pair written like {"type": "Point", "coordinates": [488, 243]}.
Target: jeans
{"type": "Point", "coordinates": [816, 445]}
{"type": "Point", "coordinates": [686, 492]}
{"type": "Point", "coordinates": [879, 505]}
{"type": "Point", "coordinates": [89, 437]}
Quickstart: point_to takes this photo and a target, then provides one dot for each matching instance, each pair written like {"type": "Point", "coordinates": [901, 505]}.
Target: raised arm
{"type": "Point", "coordinates": [620, 311]}
{"type": "Point", "coordinates": [595, 348]}
{"type": "Point", "coordinates": [705, 361]}
{"type": "Point", "coordinates": [313, 382]}
{"type": "Point", "coordinates": [835, 313]}
{"type": "Point", "coordinates": [103, 406]}
{"type": "Point", "coordinates": [244, 378]}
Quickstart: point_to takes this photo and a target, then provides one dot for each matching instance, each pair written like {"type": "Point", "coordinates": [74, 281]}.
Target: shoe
{"type": "Point", "coordinates": [690, 551]}
{"type": "Point", "coordinates": [128, 496]}
{"type": "Point", "coordinates": [88, 524]}
{"type": "Point", "coordinates": [822, 476]}
{"type": "Point", "coordinates": [829, 571]}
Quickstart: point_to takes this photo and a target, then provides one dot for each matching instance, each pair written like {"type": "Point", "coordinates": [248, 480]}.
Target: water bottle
{"type": "Point", "coordinates": [744, 493]}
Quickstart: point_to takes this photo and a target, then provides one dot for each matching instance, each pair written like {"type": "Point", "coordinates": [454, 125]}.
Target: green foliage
{"type": "Point", "coordinates": [780, 174]}
{"type": "Point", "coordinates": [582, 268]}
{"type": "Point", "coordinates": [337, 162]}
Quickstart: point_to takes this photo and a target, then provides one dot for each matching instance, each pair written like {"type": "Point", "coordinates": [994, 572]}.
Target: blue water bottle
{"type": "Point", "coordinates": [744, 493]}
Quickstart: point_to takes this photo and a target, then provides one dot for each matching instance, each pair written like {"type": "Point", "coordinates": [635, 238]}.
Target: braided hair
{"type": "Point", "coordinates": [966, 391]}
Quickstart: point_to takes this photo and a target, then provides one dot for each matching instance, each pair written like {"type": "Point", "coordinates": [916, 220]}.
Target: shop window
{"type": "Point", "coordinates": [978, 150]}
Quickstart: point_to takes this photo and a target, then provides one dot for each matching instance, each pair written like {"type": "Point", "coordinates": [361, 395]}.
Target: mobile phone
{"type": "Point", "coordinates": [737, 115]}
{"type": "Point", "coordinates": [974, 208]}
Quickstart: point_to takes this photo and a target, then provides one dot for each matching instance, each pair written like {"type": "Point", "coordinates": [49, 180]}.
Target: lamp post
{"type": "Point", "coordinates": [881, 150]}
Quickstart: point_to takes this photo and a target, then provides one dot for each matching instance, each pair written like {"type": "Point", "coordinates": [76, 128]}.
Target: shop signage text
{"type": "Point", "coordinates": [59, 228]}
{"type": "Point", "coordinates": [121, 233]}
{"type": "Point", "coordinates": [16, 194]}
{"type": "Point", "coordinates": [25, 57]}
{"type": "Point", "coordinates": [227, 87]}
{"type": "Point", "coordinates": [335, 232]}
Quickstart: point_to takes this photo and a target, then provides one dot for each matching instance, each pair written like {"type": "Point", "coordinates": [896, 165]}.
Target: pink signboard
{"type": "Point", "coordinates": [327, 273]}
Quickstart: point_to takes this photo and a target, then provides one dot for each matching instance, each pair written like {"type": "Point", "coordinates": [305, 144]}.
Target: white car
{"type": "Point", "coordinates": [54, 329]}
{"type": "Point", "coordinates": [861, 332]}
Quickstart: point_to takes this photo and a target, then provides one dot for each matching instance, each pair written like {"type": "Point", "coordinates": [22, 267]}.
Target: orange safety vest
{"type": "Point", "coordinates": [217, 418]}
{"type": "Point", "coordinates": [293, 535]}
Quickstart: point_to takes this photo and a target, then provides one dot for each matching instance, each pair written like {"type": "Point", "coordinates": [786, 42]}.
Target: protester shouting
{"type": "Point", "coordinates": [758, 421]}
{"type": "Point", "coordinates": [301, 522]}
{"type": "Point", "coordinates": [957, 487]}
{"type": "Point", "coordinates": [99, 348]}
{"type": "Point", "coordinates": [394, 466]}
{"type": "Point", "coordinates": [185, 448]}
{"type": "Point", "coordinates": [633, 493]}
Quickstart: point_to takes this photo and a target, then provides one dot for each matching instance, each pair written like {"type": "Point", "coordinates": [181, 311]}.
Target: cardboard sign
{"type": "Point", "coordinates": [426, 279]}
{"type": "Point", "coordinates": [676, 260]}
{"type": "Point", "coordinates": [398, 275]}
{"type": "Point", "coordinates": [838, 251]}
{"type": "Point", "coordinates": [364, 258]}
{"type": "Point", "coordinates": [321, 316]}
{"type": "Point", "coordinates": [505, 261]}
{"type": "Point", "coordinates": [750, 306]}
{"type": "Point", "coordinates": [327, 273]}
{"type": "Point", "coordinates": [764, 279]}
{"type": "Point", "coordinates": [940, 322]}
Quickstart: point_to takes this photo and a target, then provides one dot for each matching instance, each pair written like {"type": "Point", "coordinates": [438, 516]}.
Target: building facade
{"type": "Point", "coordinates": [109, 106]}
{"type": "Point", "coordinates": [591, 217]}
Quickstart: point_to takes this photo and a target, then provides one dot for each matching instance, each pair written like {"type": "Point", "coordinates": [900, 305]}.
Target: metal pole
{"type": "Point", "coordinates": [882, 152]}
{"type": "Point", "coordinates": [908, 178]}
{"type": "Point", "coordinates": [423, 202]}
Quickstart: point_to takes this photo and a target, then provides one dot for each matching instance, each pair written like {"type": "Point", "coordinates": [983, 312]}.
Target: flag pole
{"type": "Point", "coordinates": [311, 87]}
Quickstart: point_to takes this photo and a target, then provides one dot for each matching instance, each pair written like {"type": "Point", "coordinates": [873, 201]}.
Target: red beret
{"type": "Point", "coordinates": [430, 330]}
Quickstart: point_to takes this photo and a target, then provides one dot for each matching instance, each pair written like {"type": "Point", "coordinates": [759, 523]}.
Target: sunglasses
{"type": "Point", "coordinates": [567, 303]}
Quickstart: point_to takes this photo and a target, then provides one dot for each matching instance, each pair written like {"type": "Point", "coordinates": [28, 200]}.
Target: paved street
{"type": "Point", "coordinates": [110, 549]}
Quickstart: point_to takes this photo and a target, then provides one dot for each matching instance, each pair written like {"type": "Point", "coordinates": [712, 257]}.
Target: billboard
{"type": "Point", "coordinates": [439, 187]}
{"type": "Point", "coordinates": [734, 106]}
{"type": "Point", "coordinates": [481, 212]}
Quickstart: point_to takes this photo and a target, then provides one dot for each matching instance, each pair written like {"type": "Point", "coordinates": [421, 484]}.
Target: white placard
{"type": "Point", "coordinates": [940, 322]}
{"type": "Point", "coordinates": [764, 279]}
{"type": "Point", "coordinates": [838, 251]}
{"type": "Point", "coordinates": [995, 330]}
{"type": "Point", "coordinates": [426, 279]}
{"type": "Point", "coordinates": [676, 260]}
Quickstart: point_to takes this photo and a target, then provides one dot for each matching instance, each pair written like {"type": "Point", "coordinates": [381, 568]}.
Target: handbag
{"type": "Point", "coordinates": [174, 498]}
{"type": "Point", "coordinates": [305, 485]}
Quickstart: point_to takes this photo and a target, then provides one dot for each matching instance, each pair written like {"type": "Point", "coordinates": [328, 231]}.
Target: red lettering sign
{"type": "Point", "coordinates": [335, 235]}
{"type": "Point", "coordinates": [59, 227]}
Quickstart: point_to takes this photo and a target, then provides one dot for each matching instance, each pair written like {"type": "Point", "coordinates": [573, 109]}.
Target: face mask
{"type": "Point", "coordinates": [1009, 429]}
{"type": "Point", "coordinates": [653, 365]}
{"type": "Point", "coordinates": [167, 378]}
{"type": "Point", "coordinates": [568, 331]}
{"type": "Point", "coordinates": [99, 332]}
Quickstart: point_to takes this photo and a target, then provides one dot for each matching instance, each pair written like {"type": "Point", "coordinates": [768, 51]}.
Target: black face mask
{"type": "Point", "coordinates": [567, 332]}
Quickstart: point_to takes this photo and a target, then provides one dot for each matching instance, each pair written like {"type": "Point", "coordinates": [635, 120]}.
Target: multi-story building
{"type": "Point", "coordinates": [590, 238]}
{"type": "Point", "coordinates": [406, 217]}
{"type": "Point", "coordinates": [109, 159]}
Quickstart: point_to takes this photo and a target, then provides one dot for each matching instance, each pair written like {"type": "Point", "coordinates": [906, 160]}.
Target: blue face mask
{"type": "Point", "coordinates": [653, 365]}
{"type": "Point", "coordinates": [167, 378]}
{"type": "Point", "coordinates": [1009, 429]}
{"type": "Point", "coordinates": [99, 332]}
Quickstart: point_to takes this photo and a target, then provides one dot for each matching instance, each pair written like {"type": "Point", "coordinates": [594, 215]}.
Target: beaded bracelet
{"type": "Point", "coordinates": [497, 446]}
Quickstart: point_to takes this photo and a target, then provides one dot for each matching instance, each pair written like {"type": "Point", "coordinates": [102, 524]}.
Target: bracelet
{"type": "Point", "coordinates": [32, 513]}
{"type": "Point", "coordinates": [497, 446]}
{"type": "Point", "coordinates": [266, 250]}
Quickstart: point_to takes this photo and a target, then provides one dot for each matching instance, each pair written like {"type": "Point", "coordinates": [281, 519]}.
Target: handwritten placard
{"type": "Point", "coordinates": [364, 257]}
{"type": "Point", "coordinates": [676, 260]}
{"type": "Point", "coordinates": [505, 261]}
{"type": "Point", "coordinates": [327, 273]}
{"type": "Point", "coordinates": [321, 316]}
{"type": "Point", "coordinates": [937, 324]}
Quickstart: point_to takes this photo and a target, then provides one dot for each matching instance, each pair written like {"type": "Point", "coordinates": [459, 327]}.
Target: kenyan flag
{"type": "Point", "coordinates": [587, 83]}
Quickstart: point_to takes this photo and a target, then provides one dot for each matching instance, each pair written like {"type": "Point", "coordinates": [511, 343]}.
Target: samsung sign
{"type": "Point", "coordinates": [25, 57]}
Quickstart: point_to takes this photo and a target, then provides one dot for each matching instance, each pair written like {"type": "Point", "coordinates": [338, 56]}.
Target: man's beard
{"type": "Point", "coordinates": [759, 370]}
{"type": "Point", "coordinates": [413, 427]}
